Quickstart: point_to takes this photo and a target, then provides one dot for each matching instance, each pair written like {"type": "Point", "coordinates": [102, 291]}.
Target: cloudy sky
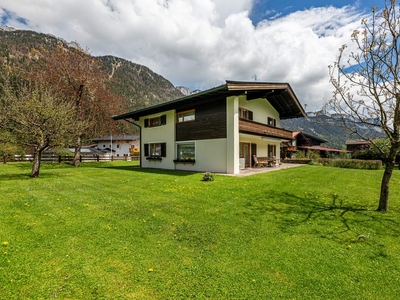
{"type": "Point", "coordinates": [202, 43]}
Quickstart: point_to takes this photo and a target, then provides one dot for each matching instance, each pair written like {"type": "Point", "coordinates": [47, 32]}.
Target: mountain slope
{"type": "Point", "coordinates": [139, 85]}
{"type": "Point", "coordinates": [325, 127]}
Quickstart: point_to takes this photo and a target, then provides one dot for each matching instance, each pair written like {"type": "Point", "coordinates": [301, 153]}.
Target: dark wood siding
{"type": "Point", "coordinates": [209, 123]}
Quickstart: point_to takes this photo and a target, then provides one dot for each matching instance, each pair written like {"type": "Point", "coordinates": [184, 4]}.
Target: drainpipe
{"type": "Point", "coordinates": [140, 136]}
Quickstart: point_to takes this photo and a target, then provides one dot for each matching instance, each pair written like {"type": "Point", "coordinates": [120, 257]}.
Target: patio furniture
{"type": "Point", "coordinates": [257, 163]}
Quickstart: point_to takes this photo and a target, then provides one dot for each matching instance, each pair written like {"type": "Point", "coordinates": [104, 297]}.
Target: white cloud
{"type": "Point", "coordinates": [200, 43]}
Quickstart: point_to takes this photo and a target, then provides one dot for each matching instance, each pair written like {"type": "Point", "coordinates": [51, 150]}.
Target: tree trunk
{"type": "Point", "coordinates": [389, 166]}
{"type": "Point", "coordinates": [77, 155]}
{"type": "Point", "coordinates": [37, 157]}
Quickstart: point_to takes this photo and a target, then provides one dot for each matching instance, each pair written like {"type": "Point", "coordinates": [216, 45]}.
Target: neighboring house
{"type": "Point", "coordinates": [120, 145]}
{"type": "Point", "coordinates": [304, 142]}
{"type": "Point", "coordinates": [357, 145]}
{"type": "Point", "coordinates": [217, 130]}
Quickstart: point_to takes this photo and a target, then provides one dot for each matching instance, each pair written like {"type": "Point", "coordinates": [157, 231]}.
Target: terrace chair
{"type": "Point", "coordinates": [256, 163]}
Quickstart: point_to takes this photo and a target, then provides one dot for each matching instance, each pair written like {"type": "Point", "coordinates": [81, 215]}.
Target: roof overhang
{"type": "Point", "coordinates": [319, 148]}
{"type": "Point", "coordinates": [280, 95]}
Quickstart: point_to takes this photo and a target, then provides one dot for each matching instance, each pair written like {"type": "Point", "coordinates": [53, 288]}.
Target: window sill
{"type": "Point", "coordinates": [185, 161]}
{"type": "Point", "coordinates": [155, 158]}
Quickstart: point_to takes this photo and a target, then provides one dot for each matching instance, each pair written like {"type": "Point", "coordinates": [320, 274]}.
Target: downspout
{"type": "Point", "coordinates": [140, 136]}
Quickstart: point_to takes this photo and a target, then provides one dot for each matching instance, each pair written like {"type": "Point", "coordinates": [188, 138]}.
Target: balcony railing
{"type": "Point", "coordinates": [260, 129]}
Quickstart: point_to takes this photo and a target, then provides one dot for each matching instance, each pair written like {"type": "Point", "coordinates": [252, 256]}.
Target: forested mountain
{"type": "Point", "coordinates": [139, 85]}
{"type": "Point", "coordinates": [317, 126]}
{"type": "Point", "coordinates": [325, 127]}
{"type": "Point", "coordinates": [136, 83]}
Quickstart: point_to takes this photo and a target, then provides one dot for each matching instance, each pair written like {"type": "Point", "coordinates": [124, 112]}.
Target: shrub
{"type": "Point", "coordinates": [313, 155]}
{"type": "Point", "coordinates": [300, 155]}
{"type": "Point", "coordinates": [208, 176]}
{"type": "Point", "coordinates": [352, 163]}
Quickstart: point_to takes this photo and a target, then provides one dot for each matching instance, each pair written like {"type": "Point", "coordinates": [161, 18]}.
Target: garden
{"type": "Point", "coordinates": [111, 230]}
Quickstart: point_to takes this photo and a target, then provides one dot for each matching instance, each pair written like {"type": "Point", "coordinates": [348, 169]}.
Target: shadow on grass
{"type": "Point", "coordinates": [24, 169]}
{"type": "Point", "coordinates": [137, 169]}
{"type": "Point", "coordinates": [326, 218]}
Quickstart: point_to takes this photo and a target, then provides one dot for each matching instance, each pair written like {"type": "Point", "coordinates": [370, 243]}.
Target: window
{"type": "Point", "coordinates": [155, 150]}
{"type": "Point", "coordinates": [271, 122]}
{"type": "Point", "coordinates": [186, 150]}
{"type": "Point", "coordinates": [244, 113]}
{"type": "Point", "coordinates": [271, 150]}
{"type": "Point", "coordinates": [156, 121]}
{"type": "Point", "coordinates": [185, 116]}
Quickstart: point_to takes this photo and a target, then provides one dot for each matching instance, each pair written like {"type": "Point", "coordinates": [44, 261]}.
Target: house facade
{"type": "Point", "coordinates": [306, 142]}
{"type": "Point", "coordinates": [119, 145]}
{"type": "Point", "coordinates": [357, 145]}
{"type": "Point", "coordinates": [217, 130]}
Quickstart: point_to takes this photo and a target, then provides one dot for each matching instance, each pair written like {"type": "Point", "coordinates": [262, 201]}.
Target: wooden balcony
{"type": "Point", "coordinates": [260, 129]}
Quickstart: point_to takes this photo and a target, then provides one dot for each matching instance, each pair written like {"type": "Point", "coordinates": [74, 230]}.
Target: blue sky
{"type": "Point", "coordinates": [202, 43]}
{"type": "Point", "coordinates": [266, 9]}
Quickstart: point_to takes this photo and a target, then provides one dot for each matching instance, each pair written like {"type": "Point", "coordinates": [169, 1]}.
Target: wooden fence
{"type": "Point", "coordinates": [67, 158]}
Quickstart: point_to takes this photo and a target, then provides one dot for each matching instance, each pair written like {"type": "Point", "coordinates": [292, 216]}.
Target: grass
{"type": "Point", "coordinates": [114, 231]}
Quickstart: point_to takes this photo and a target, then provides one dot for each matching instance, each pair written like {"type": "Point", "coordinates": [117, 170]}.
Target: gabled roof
{"type": "Point", "coordinates": [280, 95]}
{"type": "Point", "coordinates": [357, 142]}
{"type": "Point", "coordinates": [296, 133]}
{"type": "Point", "coordinates": [319, 148]}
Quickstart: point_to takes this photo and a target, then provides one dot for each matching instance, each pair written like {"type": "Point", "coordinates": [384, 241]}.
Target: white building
{"type": "Point", "coordinates": [218, 130]}
{"type": "Point", "coordinates": [119, 145]}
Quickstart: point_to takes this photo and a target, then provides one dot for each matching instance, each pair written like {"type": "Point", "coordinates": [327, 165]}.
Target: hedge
{"type": "Point", "coordinates": [351, 163]}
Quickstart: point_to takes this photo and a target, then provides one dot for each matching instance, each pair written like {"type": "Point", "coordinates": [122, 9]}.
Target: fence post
{"type": "Point", "coordinates": [97, 158]}
{"type": "Point", "coordinates": [59, 159]}
{"type": "Point", "coordinates": [112, 158]}
{"type": "Point", "coordinates": [80, 158]}
{"type": "Point", "coordinates": [4, 159]}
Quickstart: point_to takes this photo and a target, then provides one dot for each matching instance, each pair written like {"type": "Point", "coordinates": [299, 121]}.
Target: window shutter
{"type": "Point", "coordinates": [146, 149]}
{"type": "Point", "coordinates": [250, 115]}
{"type": "Point", "coordinates": [163, 119]}
{"type": "Point", "coordinates": [146, 123]}
{"type": "Point", "coordinates": [163, 149]}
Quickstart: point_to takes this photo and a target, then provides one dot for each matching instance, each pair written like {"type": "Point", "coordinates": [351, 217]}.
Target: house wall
{"type": "Point", "coordinates": [210, 156]}
{"type": "Point", "coordinates": [122, 150]}
{"type": "Point", "coordinates": [215, 132]}
{"type": "Point", "coordinates": [261, 109]}
{"type": "Point", "coordinates": [159, 134]}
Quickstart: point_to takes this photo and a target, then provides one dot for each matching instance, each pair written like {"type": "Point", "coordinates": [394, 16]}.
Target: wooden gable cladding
{"type": "Point", "coordinates": [251, 127]}
{"type": "Point", "coordinates": [210, 122]}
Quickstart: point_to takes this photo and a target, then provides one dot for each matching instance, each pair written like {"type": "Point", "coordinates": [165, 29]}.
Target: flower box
{"type": "Point", "coordinates": [184, 161]}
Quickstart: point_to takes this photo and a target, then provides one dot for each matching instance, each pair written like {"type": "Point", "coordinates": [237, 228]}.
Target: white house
{"type": "Point", "coordinates": [218, 130]}
{"type": "Point", "coordinates": [119, 145]}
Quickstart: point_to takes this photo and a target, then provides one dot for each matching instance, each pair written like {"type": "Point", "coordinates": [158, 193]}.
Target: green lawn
{"type": "Point", "coordinates": [114, 231]}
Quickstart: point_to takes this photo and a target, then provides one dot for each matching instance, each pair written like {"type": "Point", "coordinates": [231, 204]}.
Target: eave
{"type": "Point", "coordinates": [280, 95]}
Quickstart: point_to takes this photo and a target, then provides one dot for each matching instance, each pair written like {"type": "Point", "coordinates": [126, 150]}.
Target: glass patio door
{"type": "Point", "coordinates": [244, 152]}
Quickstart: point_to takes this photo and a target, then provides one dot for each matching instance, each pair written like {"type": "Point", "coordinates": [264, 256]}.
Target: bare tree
{"type": "Point", "coordinates": [81, 78]}
{"type": "Point", "coordinates": [37, 117]}
{"type": "Point", "coordinates": [366, 84]}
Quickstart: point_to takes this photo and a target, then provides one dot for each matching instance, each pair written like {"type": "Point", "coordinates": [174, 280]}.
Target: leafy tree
{"type": "Point", "coordinates": [379, 150]}
{"type": "Point", "coordinates": [82, 80]}
{"type": "Point", "coordinates": [37, 117]}
{"type": "Point", "coordinates": [366, 83]}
